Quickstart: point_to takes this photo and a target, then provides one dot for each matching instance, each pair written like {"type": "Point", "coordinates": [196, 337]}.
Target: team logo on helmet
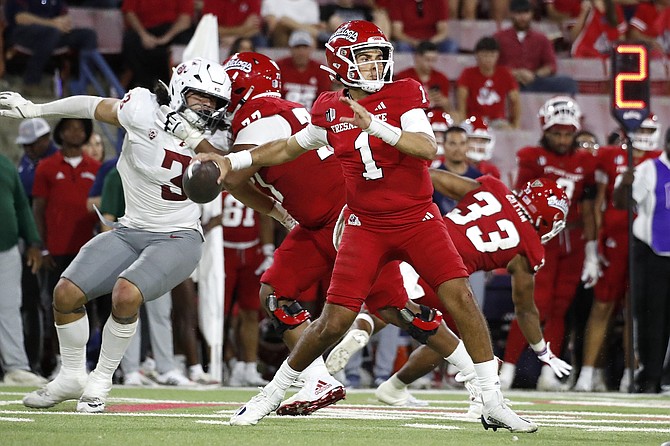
{"type": "Point", "coordinates": [237, 64]}
{"type": "Point", "coordinates": [344, 33]}
{"type": "Point", "coordinates": [561, 204]}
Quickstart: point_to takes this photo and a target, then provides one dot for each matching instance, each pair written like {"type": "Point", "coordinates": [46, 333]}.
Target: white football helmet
{"type": "Point", "coordinates": [480, 141]}
{"type": "Point", "coordinates": [560, 110]}
{"type": "Point", "coordinates": [206, 77]}
{"type": "Point", "coordinates": [648, 136]}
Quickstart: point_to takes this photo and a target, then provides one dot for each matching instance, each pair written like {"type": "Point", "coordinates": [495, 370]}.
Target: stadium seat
{"type": "Point", "coordinates": [107, 23]}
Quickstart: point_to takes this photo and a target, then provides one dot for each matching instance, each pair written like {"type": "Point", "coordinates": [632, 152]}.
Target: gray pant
{"type": "Point", "coordinates": [12, 350]}
{"type": "Point", "coordinates": [160, 332]}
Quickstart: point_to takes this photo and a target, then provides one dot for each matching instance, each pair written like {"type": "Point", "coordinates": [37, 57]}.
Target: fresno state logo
{"type": "Point", "coordinates": [237, 64]}
{"type": "Point", "coordinates": [346, 34]}
{"type": "Point", "coordinates": [558, 203]}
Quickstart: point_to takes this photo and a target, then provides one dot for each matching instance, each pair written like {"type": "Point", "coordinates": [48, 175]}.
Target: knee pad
{"type": "Point", "coordinates": [286, 317]}
{"type": "Point", "coordinates": [423, 324]}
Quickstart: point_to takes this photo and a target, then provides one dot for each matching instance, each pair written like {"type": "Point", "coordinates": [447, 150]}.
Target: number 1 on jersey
{"type": "Point", "coordinates": [362, 144]}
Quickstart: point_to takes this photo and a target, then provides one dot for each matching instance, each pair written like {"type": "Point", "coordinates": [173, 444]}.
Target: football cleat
{"type": "Point", "coordinates": [387, 393]}
{"type": "Point", "coordinates": [475, 409]}
{"type": "Point", "coordinates": [316, 394]}
{"type": "Point", "coordinates": [259, 406]}
{"type": "Point", "coordinates": [59, 390]}
{"type": "Point", "coordinates": [23, 378]}
{"type": "Point", "coordinates": [496, 414]}
{"type": "Point", "coordinates": [95, 393]}
{"type": "Point", "coordinates": [352, 342]}
{"type": "Point", "coordinates": [87, 404]}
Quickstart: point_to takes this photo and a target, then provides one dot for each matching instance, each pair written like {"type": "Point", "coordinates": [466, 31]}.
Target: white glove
{"type": "Point", "coordinates": [269, 253]}
{"type": "Point", "coordinates": [591, 271]}
{"type": "Point", "coordinates": [560, 367]}
{"type": "Point", "coordinates": [282, 216]}
{"type": "Point", "coordinates": [179, 125]}
{"type": "Point", "coordinates": [16, 106]}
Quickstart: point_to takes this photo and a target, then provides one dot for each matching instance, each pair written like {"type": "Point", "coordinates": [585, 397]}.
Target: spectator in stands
{"type": "Point", "coordinates": [651, 250]}
{"type": "Point", "coordinates": [237, 19]}
{"type": "Point", "coordinates": [285, 16]}
{"type": "Point", "coordinates": [435, 83]}
{"type": "Point", "coordinates": [95, 148]}
{"type": "Point", "coordinates": [597, 28]}
{"type": "Point", "coordinates": [17, 223]}
{"type": "Point", "coordinates": [463, 9]}
{"type": "Point", "coordinates": [564, 12]}
{"type": "Point", "coordinates": [41, 27]}
{"type": "Point", "coordinates": [380, 15]}
{"type": "Point", "coordinates": [240, 45]}
{"type": "Point", "coordinates": [414, 21]}
{"type": "Point", "coordinates": [61, 187]}
{"type": "Point", "coordinates": [646, 26]}
{"type": "Point", "coordinates": [530, 55]}
{"type": "Point", "coordinates": [334, 13]}
{"type": "Point", "coordinates": [35, 138]}
{"type": "Point", "coordinates": [151, 27]}
{"type": "Point", "coordinates": [488, 91]}
{"type": "Point", "coordinates": [301, 78]}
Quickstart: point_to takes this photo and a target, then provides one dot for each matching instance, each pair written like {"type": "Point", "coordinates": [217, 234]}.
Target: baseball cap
{"type": "Point", "coordinates": [298, 38]}
{"type": "Point", "coordinates": [32, 129]}
{"type": "Point", "coordinates": [520, 6]}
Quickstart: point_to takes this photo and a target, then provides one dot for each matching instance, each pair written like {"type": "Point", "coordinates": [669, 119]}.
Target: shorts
{"type": "Point", "coordinates": [241, 279]}
{"type": "Point", "coordinates": [155, 262]}
{"type": "Point", "coordinates": [611, 287]}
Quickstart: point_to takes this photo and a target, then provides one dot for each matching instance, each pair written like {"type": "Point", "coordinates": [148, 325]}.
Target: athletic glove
{"type": "Point", "coordinates": [179, 125]}
{"type": "Point", "coordinates": [591, 271]}
{"type": "Point", "coordinates": [560, 367]}
{"type": "Point", "coordinates": [16, 106]}
{"type": "Point", "coordinates": [269, 253]}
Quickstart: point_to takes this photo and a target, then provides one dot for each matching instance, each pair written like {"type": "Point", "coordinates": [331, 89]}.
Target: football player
{"type": "Point", "coordinates": [156, 244]}
{"type": "Point", "coordinates": [572, 255]}
{"type": "Point", "coordinates": [383, 140]}
{"type": "Point", "coordinates": [481, 143]}
{"type": "Point", "coordinates": [493, 228]}
{"type": "Point", "coordinates": [610, 291]}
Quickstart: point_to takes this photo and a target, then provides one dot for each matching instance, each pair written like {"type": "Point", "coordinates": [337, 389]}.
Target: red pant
{"type": "Point", "coordinates": [241, 280]}
{"type": "Point", "coordinates": [613, 284]}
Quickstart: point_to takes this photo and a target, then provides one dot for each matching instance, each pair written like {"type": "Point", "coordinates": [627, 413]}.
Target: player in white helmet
{"type": "Point", "coordinates": [154, 246]}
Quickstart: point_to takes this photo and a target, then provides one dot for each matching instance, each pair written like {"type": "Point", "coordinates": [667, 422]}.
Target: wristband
{"type": "Point", "coordinates": [239, 160]}
{"type": "Point", "coordinates": [384, 131]}
{"type": "Point", "coordinates": [540, 348]}
{"type": "Point", "coordinates": [268, 249]}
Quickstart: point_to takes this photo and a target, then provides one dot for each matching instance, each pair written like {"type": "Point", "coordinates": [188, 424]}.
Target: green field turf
{"type": "Point", "coordinates": [168, 416]}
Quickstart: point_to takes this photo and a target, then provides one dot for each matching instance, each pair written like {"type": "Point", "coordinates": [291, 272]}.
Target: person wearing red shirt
{"type": "Point", "coordinates": [414, 21]}
{"type": "Point", "coordinates": [489, 91]}
{"type": "Point", "coordinates": [563, 12]}
{"type": "Point", "coordinates": [302, 79]}
{"type": "Point", "coordinates": [647, 25]}
{"type": "Point", "coordinates": [571, 256]}
{"type": "Point", "coordinates": [593, 34]}
{"type": "Point", "coordinates": [152, 25]}
{"type": "Point", "coordinates": [237, 18]}
{"type": "Point", "coordinates": [530, 55]}
{"type": "Point", "coordinates": [60, 192]}
{"type": "Point", "coordinates": [435, 83]}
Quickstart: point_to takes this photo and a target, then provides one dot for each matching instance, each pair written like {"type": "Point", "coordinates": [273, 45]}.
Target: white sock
{"type": "Point", "coordinates": [195, 370]}
{"type": "Point", "coordinates": [316, 369]}
{"type": "Point", "coordinates": [487, 375]}
{"type": "Point", "coordinates": [72, 339]}
{"type": "Point", "coordinates": [586, 375]}
{"type": "Point", "coordinates": [251, 367]}
{"type": "Point", "coordinates": [115, 340]}
{"type": "Point", "coordinates": [368, 319]}
{"type": "Point", "coordinates": [461, 359]}
{"type": "Point", "coordinates": [397, 383]}
{"type": "Point", "coordinates": [285, 376]}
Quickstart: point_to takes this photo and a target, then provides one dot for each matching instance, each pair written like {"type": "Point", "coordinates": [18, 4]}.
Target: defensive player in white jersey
{"type": "Point", "coordinates": [156, 244]}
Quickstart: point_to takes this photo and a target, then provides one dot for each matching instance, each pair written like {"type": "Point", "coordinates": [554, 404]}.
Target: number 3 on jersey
{"type": "Point", "coordinates": [362, 144]}
{"type": "Point", "coordinates": [486, 206]}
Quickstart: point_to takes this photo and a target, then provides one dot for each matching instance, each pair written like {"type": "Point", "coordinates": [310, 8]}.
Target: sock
{"type": "Point", "coordinates": [397, 383]}
{"type": "Point", "coordinates": [72, 339]}
{"type": "Point", "coordinates": [251, 367]}
{"type": "Point", "coordinates": [368, 319]}
{"type": "Point", "coordinates": [115, 340]}
{"type": "Point", "coordinates": [586, 375]}
{"type": "Point", "coordinates": [285, 376]}
{"type": "Point", "coordinates": [487, 375]}
{"type": "Point", "coordinates": [462, 360]}
{"type": "Point", "coordinates": [316, 369]}
{"type": "Point", "coordinates": [195, 370]}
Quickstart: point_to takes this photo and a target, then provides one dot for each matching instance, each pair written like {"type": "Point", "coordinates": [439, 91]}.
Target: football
{"type": "Point", "coordinates": [199, 181]}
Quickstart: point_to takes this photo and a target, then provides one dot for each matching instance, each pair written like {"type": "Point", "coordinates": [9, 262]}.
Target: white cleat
{"type": "Point", "coordinates": [507, 373]}
{"type": "Point", "coordinates": [387, 393]}
{"type": "Point", "coordinates": [174, 378]}
{"type": "Point", "coordinates": [315, 394]}
{"type": "Point", "coordinates": [475, 409]}
{"type": "Point", "coordinates": [496, 414]}
{"type": "Point", "coordinates": [95, 394]}
{"type": "Point", "coordinates": [352, 342]}
{"type": "Point", "coordinates": [258, 407]}
{"type": "Point", "coordinates": [23, 378]}
{"type": "Point", "coordinates": [60, 389]}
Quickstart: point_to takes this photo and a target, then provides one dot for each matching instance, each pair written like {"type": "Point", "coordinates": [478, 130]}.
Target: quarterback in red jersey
{"type": "Point", "coordinates": [493, 228]}
{"type": "Point", "coordinates": [568, 257]}
{"type": "Point", "coordinates": [383, 150]}
{"type": "Point", "coordinates": [312, 189]}
{"type": "Point", "coordinates": [613, 236]}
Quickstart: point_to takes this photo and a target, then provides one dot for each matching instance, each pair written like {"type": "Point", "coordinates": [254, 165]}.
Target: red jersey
{"type": "Point", "coordinates": [573, 171]}
{"type": "Point", "coordinates": [437, 80]}
{"type": "Point", "coordinates": [240, 223]}
{"type": "Point", "coordinates": [419, 19]}
{"type": "Point", "coordinates": [648, 19]}
{"type": "Point", "coordinates": [157, 12]}
{"type": "Point", "coordinates": [302, 86]}
{"type": "Point", "coordinates": [231, 13]}
{"type": "Point", "coordinates": [597, 36]}
{"type": "Point", "coordinates": [487, 168]}
{"type": "Point", "coordinates": [69, 225]}
{"type": "Point", "coordinates": [310, 187]}
{"type": "Point", "coordinates": [487, 94]}
{"type": "Point", "coordinates": [610, 162]}
{"type": "Point", "coordinates": [490, 229]}
{"type": "Point", "coordinates": [384, 186]}
{"type": "Point", "coordinates": [570, 7]}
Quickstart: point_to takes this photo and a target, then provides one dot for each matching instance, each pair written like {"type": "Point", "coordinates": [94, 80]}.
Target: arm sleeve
{"type": "Point", "coordinates": [312, 137]}
{"type": "Point", "coordinates": [264, 130]}
{"type": "Point", "coordinates": [416, 121]}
